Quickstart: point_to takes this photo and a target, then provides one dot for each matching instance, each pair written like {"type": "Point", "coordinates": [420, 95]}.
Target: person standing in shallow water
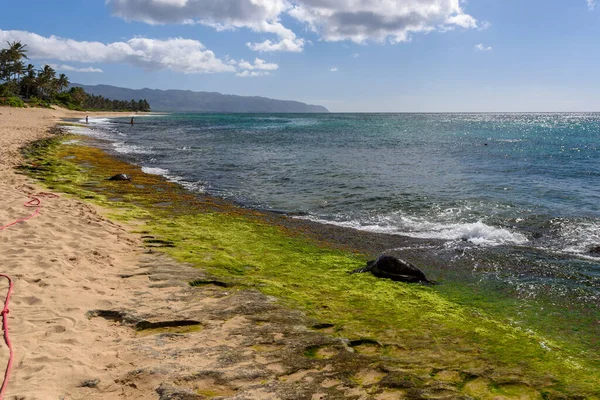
{"type": "Point", "coordinates": [131, 121]}
{"type": "Point", "coordinates": [86, 120]}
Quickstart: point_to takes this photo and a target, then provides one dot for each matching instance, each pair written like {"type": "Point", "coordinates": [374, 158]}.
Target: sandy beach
{"type": "Point", "coordinates": [64, 262]}
{"type": "Point", "coordinates": [95, 315]}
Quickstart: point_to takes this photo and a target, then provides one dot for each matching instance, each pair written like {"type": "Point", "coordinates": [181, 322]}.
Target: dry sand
{"type": "Point", "coordinates": [64, 262]}
{"type": "Point", "coordinates": [83, 284]}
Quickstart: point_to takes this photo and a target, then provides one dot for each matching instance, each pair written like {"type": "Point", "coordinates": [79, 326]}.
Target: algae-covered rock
{"type": "Point", "coordinates": [399, 380]}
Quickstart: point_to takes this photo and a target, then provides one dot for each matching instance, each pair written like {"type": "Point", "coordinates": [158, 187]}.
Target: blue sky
{"type": "Point", "coordinates": [348, 55]}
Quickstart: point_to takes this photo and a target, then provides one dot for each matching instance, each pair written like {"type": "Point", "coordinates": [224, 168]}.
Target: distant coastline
{"type": "Point", "coordinates": [189, 101]}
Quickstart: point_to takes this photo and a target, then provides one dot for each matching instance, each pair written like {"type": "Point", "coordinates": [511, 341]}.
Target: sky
{"type": "Point", "coordinates": [347, 55]}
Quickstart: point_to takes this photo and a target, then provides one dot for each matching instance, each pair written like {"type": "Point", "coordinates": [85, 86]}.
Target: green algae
{"type": "Point", "coordinates": [421, 328]}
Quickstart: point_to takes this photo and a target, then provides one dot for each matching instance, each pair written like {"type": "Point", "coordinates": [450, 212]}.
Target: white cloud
{"type": "Point", "coordinates": [228, 13]}
{"type": "Point", "coordinates": [481, 47]}
{"type": "Point", "coordinates": [259, 68]}
{"type": "Point", "coordinates": [484, 25]}
{"type": "Point", "coordinates": [257, 15]}
{"type": "Point", "coordinates": [334, 69]}
{"type": "Point", "coordinates": [177, 54]}
{"type": "Point", "coordinates": [290, 45]}
{"type": "Point", "coordinates": [258, 64]}
{"type": "Point", "coordinates": [64, 67]}
{"type": "Point", "coordinates": [462, 20]}
{"type": "Point", "coordinates": [333, 20]}
{"type": "Point", "coordinates": [379, 20]}
{"type": "Point", "coordinates": [355, 55]}
{"type": "Point", "coordinates": [591, 4]}
{"type": "Point", "coordinates": [245, 74]}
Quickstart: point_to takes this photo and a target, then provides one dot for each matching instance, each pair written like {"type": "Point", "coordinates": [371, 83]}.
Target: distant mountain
{"type": "Point", "coordinates": [188, 101]}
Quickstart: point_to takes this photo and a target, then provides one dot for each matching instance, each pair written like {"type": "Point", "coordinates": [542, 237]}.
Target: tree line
{"type": "Point", "coordinates": [42, 87]}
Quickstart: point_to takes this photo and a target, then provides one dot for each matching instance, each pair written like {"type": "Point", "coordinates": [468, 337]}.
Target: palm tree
{"type": "Point", "coordinates": [78, 95]}
{"type": "Point", "coordinates": [4, 61]}
{"type": "Point", "coordinates": [29, 80]}
{"type": "Point", "coordinates": [47, 81]}
{"type": "Point", "coordinates": [16, 52]}
{"type": "Point", "coordinates": [62, 82]}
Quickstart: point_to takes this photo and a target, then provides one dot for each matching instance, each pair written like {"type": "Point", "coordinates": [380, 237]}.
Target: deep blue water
{"type": "Point", "coordinates": [521, 181]}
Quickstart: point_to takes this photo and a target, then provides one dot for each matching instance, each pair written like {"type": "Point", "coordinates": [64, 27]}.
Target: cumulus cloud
{"type": "Point", "coordinates": [64, 67]}
{"type": "Point", "coordinates": [258, 68]}
{"type": "Point", "coordinates": [481, 47]}
{"type": "Point", "coordinates": [392, 20]}
{"type": "Point", "coordinates": [333, 69]}
{"type": "Point", "coordinates": [178, 55]}
{"type": "Point", "coordinates": [290, 45]}
{"type": "Point", "coordinates": [257, 15]}
{"type": "Point", "coordinates": [228, 13]}
{"type": "Point", "coordinates": [591, 4]}
{"type": "Point", "coordinates": [333, 20]}
{"type": "Point", "coordinates": [258, 65]}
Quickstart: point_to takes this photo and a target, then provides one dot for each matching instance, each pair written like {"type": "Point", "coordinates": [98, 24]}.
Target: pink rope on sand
{"type": "Point", "coordinates": [34, 202]}
{"type": "Point", "coordinates": [6, 336]}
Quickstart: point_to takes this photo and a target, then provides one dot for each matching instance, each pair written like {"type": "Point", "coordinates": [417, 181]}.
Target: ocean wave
{"type": "Point", "coordinates": [124, 148]}
{"type": "Point", "coordinates": [578, 237]}
{"type": "Point", "coordinates": [198, 187]}
{"type": "Point", "coordinates": [477, 233]}
{"type": "Point", "coordinates": [155, 171]}
{"type": "Point", "coordinates": [97, 121]}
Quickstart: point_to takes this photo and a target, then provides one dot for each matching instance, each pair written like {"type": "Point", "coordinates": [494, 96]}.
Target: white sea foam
{"type": "Point", "coordinates": [124, 148]}
{"type": "Point", "coordinates": [105, 133]}
{"type": "Point", "coordinates": [155, 171]}
{"type": "Point", "coordinates": [509, 140]}
{"type": "Point", "coordinates": [77, 130]}
{"type": "Point", "coordinates": [97, 121]}
{"type": "Point", "coordinates": [191, 186]}
{"type": "Point", "coordinates": [579, 237]}
{"type": "Point", "coordinates": [477, 233]}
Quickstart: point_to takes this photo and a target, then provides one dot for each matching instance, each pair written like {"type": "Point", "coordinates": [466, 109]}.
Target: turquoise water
{"type": "Point", "coordinates": [524, 185]}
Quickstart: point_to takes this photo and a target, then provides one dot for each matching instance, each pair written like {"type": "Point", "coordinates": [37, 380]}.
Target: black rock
{"type": "Point", "coordinates": [90, 383]}
{"type": "Point", "coordinates": [594, 250]}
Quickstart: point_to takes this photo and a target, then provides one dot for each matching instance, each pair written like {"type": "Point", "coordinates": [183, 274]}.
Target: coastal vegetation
{"type": "Point", "coordinates": [430, 333]}
{"type": "Point", "coordinates": [22, 85]}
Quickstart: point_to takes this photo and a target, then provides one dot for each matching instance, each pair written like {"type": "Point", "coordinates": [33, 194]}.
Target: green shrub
{"type": "Point", "coordinates": [63, 98]}
{"type": "Point", "coordinates": [9, 89]}
{"type": "Point", "coordinates": [12, 102]}
{"type": "Point", "coordinates": [35, 102]}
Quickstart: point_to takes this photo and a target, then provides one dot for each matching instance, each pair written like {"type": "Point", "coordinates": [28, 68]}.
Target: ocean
{"type": "Point", "coordinates": [513, 197]}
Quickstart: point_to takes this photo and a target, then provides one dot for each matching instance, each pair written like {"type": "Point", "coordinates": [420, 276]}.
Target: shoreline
{"type": "Point", "coordinates": [113, 262]}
